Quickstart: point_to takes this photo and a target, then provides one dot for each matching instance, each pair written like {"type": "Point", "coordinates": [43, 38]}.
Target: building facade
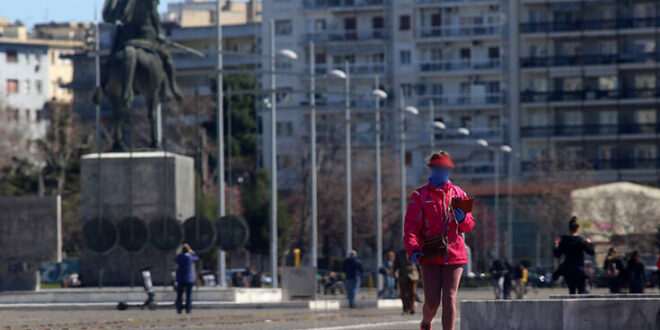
{"type": "Point", "coordinates": [195, 13]}
{"type": "Point", "coordinates": [589, 88]}
{"type": "Point", "coordinates": [443, 57]}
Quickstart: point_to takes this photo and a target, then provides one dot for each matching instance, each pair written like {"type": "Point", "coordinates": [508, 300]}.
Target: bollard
{"type": "Point", "coordinates": [296, 257]}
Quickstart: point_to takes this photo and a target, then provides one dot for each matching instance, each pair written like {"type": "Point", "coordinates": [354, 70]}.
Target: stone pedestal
{"type": "Point", "coordinates": [149, 186]}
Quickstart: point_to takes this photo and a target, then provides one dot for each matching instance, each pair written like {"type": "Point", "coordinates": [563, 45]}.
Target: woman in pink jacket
{"type": "Point", "coordinates": [433, 237]}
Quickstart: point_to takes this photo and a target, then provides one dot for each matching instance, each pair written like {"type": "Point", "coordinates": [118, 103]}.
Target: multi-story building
{"type": "Point", "coordinates": [589, 88]}
{"type": "Point", "coordinates": [195, 13]}
{"type": "Point", "coordinates": [33, 73]}
{"type": "Point", "coordinates": [440, 55]}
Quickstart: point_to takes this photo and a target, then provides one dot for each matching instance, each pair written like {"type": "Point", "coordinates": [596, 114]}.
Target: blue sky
{"type": "Point", "coordinates": [31, 11]}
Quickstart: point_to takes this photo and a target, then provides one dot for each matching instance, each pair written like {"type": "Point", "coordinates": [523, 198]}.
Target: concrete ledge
{"type": "Point", "coordinates": [389, 303]}
{"type": "Point", "coordinates": [323, 305]}
{"type": "Point", "coordinates": [562, 314]}
{"type": "Point", "coordinates": [114, 295]}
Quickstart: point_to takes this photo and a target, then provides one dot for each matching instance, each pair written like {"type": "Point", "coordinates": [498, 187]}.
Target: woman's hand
{"type": "Point", "coordinates": [459, 215]}
{"type": "Point", "coordinates": [415, 257]}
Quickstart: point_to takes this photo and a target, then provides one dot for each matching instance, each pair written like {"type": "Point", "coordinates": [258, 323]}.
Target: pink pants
{"type": "Point", "coordinates": [441, 286]}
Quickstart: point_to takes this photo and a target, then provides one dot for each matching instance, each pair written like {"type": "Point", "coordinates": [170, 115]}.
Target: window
{"type": "Point", "coordinates": [407, 90]}
{"type": "Point", "coordinates": [378, 23]}
{"type": "Point", "coordinates": [12, 86]}
{"type": "Point", "coordinates": [466, 53]}
{"type": "Point", "coordinates": [283, 27]}
{"type": "Point", "coordinates": [437, 89]}
{"type": "Point", "coordinates": [320, 25]}
{"type": "Point", "coordinates": [28, 86]}
{"type": "Point", "coordinates": [494, 53]}
{"type": "Point", "coordinates": [436, 20]}
{"type": "Point", "coordinates": [646, 116]}
{"type": "Point", "coordinates": [38, 86]}
{"type": "Point", "coordinates": [409, 158]}
{"type": "Point", "coordinates": [608, 117]}
{"type": "Point", "coordinates": [404, 22]}
{"type": "Point", "coordinates": [350, 23]}
{"type": "Point", "coordinates": [405, 57]}
{"type": "Point", "coordinates": [12, 56]}
{"type": "Point", "coordinates": [466, 121]}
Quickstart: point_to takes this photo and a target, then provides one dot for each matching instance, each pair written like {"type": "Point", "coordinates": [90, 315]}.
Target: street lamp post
{"type": "Point", "coordinates": [345, 75]}
{"type": "Point", "coordinates": [312, 119]}
{"type": "Point", "coordinates": [414, 111]}
{"type": "Point", "coordinates": [496, 153]}
{"type": "Point", "coordinates": [432, 115]}
{"type": "Point", "coordinates": [221, 139]}
{"type": "Point", "coordinates": [379, 95]}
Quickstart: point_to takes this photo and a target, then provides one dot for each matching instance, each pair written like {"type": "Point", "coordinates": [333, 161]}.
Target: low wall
{"type": "Point", "coordinates": [163, 294]}
{"type": "Point", "coordinates": [562, 314]}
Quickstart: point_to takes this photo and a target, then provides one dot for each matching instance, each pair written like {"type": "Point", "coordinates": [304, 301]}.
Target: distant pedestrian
{"type": "Point", "coordinates": [185, 277]}
{"type": "Point", "coordinates": [438, 215]}
{"type": "Point", "coordinates": [520, 279]}
{"type": "Point", "coordinates": [500, 275]}
{"type": "Point", "coordinates": [614, 271]}
{"type": "Point", "coordinates": [387, 271]}
{"type": "Point", "coordinates": [353, 271]}
{"type": "Point", "coordinates": [657, 265]}
{"type": "Point", "coordinates": [408, 276]}
{"type": "Point", "coordinates": [636, 274]}
{"type": "Point", "coordinates": [573, 247]}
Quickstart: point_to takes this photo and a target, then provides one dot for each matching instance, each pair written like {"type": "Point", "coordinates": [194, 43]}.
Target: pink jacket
{"type": "Point", "coordinates": [428, 216]}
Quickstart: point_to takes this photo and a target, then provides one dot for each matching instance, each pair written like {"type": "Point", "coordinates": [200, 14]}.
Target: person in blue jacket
{"type": "Point", "coordinates": [185, 277]}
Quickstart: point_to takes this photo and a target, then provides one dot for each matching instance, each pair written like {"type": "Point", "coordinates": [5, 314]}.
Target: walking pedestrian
{"type": "Point", "coordinates": [573, 247]}
{"type": "Point", "coordinates": [387, 271]}
{"type": "Point", "coordinates": [520, 277]}
{"type": "Point", "coordinates": [636, 274]}
{"type": "Point", "coordinates": [614, 271]}
{"type": "Point", "coordinates": [408, 276]}
{"type": "Point", "coordinates": [438, 215]}
{"type": "Point", "coordinates": [497, 277]}
{"type": "Point", "coordinates": [185, 277]}
{"type": "Point", "coordinates": [353, 271]}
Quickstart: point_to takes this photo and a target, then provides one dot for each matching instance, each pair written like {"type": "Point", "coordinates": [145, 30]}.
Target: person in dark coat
{"type": "Point", "coordinates": [185, 277]}
{"type": "Point", "coordinates": [573, 247]}
{"type": "Point", "coordinates": [614, 271]}
{"type": "Point", "coordinates": [353, 270]}
{"type": "Point", "coordinates": [408, 276]}
{"type": "Point", "coordinates": [636, 274]}
{"type": "Point", "coordinates": [500, 275]}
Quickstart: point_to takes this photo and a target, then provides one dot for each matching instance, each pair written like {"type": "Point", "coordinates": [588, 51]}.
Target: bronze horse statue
{"type": "Point", "coordinates": [139, 64]}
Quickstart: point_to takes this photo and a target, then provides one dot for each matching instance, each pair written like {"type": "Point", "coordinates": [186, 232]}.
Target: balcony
{"type": "Point", "coordinates": [464, 65]}
{"type": "Point", "coordinates": [586, 25]}
{"type": "Point", "coordinates": [596, 59]}
{"type": "Point", "coordinates": [461, 100]}
{"type": "Point", "coordinates": [454, 2]}
{"type": "Point", "coordinates": [349, 35]}
{"type": "Point", "coordinates": [623, 163]}
{"type": "Point", "coordinates": [342, 4]}
{"type": "Point", "coordinates": [355, 69]}
{"type": "Point", "coordinates": [589, 130]}
{"type": "Point", "coordinates": [460, 31]}
{"type": "Point", "coordinates": [588, 95]}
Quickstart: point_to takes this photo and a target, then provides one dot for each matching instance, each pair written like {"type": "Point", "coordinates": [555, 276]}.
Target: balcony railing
{"type": "Point", "coordinates": [452, 2]}
{"type": "Point", "coordinates": [588, 95]}
{"type": "Point", "coordinates": [340, 4]}
{"type": "Point", "coordinates": [579, 60]}
{"type": "Point", "coordinates": [355, 69]}
{"type": "Point", "coordinates": [460, 31]}
{"type": "Point", "coordinates": [461, 100]}
{"type": "Point", "coordinates": [589, 129]}
{"type": "Point", "coordinates": [604, 24]}
{"type": "Point", "coordinates": [599, 164]}
{"type": "Point", "coordinates": [348, 35]}
{"type": "Point", "coordinates": [460, 65]}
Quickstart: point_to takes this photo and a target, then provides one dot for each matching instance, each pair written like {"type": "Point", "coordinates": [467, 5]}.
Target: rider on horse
{"type": "Point", "coordinates": [140, 29]}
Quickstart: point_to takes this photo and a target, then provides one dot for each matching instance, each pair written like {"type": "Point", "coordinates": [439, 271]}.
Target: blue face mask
{"type": "Point", "coordinates": [439, 176]}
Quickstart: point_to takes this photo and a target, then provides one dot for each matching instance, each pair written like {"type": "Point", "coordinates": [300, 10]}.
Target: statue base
{"type": "Point", "coordinates": [148, 186]}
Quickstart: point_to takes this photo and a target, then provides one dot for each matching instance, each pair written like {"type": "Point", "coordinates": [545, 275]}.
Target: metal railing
{"type": "Point", "coordinates": [460, 31]}
{"type": "Point", "coordinates": [453, 2]}
{"type": "Point", "coordinates": [588, 95]}
{"type": "Point", "coordinates": [460, 65]}
{"type": "Point", "coordinates": [339, 4]}
{"type": "Point", "coordinates": [461, 100]}
{"type": "Point", "coordinates": [597, 164]}
{"type": "Point", "coordinates": [348, 35]}
{"type": "Point", "coordinates": [581, 25]}
{"type": "Point", "coordinates": [589, 129]}
{"type": "Point", "coordinates": [593, 59]}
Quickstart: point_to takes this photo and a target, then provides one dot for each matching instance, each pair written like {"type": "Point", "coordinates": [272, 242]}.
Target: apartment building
{"type": "Point", "coordinates": [33, 73]}
{"type": "Point", "coordinates": [195, 13]}
{"type": "Point", "coordinates": [443, 56]}
{"type": "Point", "coordinates": [589, 88]}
